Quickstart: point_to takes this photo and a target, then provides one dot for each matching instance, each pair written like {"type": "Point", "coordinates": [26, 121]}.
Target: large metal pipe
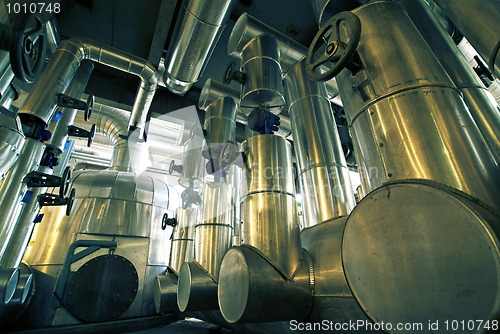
{"type": "Point", "coordinates": [11, 140]}
{"type": "Point", "coordinates": [433, 137]}
{"type": "Point", "coordinates": [431, 219]}
{"type": "Point", "coordinates": [220, 127]}
{"type": "Point", "coordinates": [196, 33]}
{"type": "Point", "coordinates": [57, 75]}
{"type": "Point", "coordinates": [478, 21]}
{"type": "Point", "coordinates": [248, 27]}
{"type": "Point", "coordinates": [326, 185]}
{"type": "Point", "coordinates": [478, 99]}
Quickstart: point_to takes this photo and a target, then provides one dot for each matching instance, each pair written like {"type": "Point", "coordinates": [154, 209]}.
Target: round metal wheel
{"type": "Point", "coordinates": [70, 202]}
{"type": "Point", "coordinates": [87, 112]}
{"type": "Point", "coordinates": [65, 182]}
{"type": "Point", "coordinates": [229, 73]}
{"type": "Point", "coordinates": [91, 135]}
{"type": "Point", "coordinates": [336, 52]}
{"type": "Point", "coordinates": [164, 221]}
{"type": "Point", "coordinates": [28, 46]}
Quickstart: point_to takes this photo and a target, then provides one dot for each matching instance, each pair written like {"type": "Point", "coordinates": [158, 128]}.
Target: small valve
{"type": "Point", "coordinates": [82, 133]}
{"type": "Point", "coordinates": [174, 168]}
{"type": "Point", "coordinates": [167, 221]}
{"type": "Point", "coordinates": [56, 200]}
{"type": "Point", "coordinates": [232, 73]}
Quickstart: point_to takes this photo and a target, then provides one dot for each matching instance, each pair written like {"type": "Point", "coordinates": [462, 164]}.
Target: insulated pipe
{"type": "Point", "coordinates": [326, 185]}
{"type": "Point", "coordinates": [196, 33]}
{"type": "Point", "coordinates": [220, 127]}
{"type": "Point", "coordinates": [478, 99]}
{"type": "Point", "coordinates": [11, 140]}
{"type": "Point", "coordinates": [409, 119]}
{"type": "Point", "coordinates": [248, 27]}
{"type": "Point", "coordinates": [479, 22]}
{"type": "Point", "coordinates": [57, 75]}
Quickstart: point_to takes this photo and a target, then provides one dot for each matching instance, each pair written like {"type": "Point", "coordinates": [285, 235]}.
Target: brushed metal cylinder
{"type": "Point", "coordinates": [8, 96]}
{"type": "Point", "coordinates": [326, 185]}
{"type": "Point", "coordinates": [263, 86]}
{"type": "Point", "coordinates": [8, 283]}
{"type": "Point", "coordinates": [479, 101]}
{"type": "Point", "coordinates": [479, 21]}
{"type": "Point", "coordinates": [250, 289]}
{"type": "Point", "coordinates": [196, 33]}
{"type": "Point", "coordinates": [11, 140]}
{"type": "Point", "coordinates": [196, 289]}
{"type": "Point", "coordinates": [213, 90]}
{"type": "Point", "coordinates": [165, 293]}
{"type": "Point", "coordinates": [193, 163]}
{"type": "Point", "coordinates": [220, 126]}
{"type": "Point", "coordinates": [24, 285]}
{"type": "Point", "coordinates": [409, 119]}
{"type": "Point", "coordinates": [269, 208]}
{"type": "Point", "coordinates": [76, 89]}
{"type": "Point", "coordinates": [182, 249]}
{"type": "Point", "coordinates": [13, 189]}
{"type": "Point", "coordinates": [213, 234]}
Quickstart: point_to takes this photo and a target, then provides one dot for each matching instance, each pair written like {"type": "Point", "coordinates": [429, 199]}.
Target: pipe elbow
{"type": "Point", "coordinates": [149, 77]}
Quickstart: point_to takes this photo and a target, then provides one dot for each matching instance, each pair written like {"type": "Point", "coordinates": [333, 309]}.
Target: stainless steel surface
{"type": "Point", "coordinates": [76, 89]}
{"type": "Point", "coordinates": [183, 237]}
{"type": "Point", "coordinates": [250, 289]}
{"type": "Point", "coordinates": [248, 27]}
{"type": "Point", "coordinates": [411, 248]}
{"type": "Point", "coordinates": [197, 31]}
{"type": "Point", "coordinates": [408, 119]}
{"type": "Point", "coordinates": [8, 283]}
{"type": "Point", "coordinates": [263, 86]}
{"type": "Point", "coordinates": [57, 75]}
{"type": "Point", "coordinates": [213, 90]}
{"type": "Point", "coordinates": [23, 288]}
{"type": "Point", "coordinates": [11, 140]}
{"type": "Point", "coordinates": [481, 105]}
{"type": "Point", "coordinates": [165, 293]}
{"type": "Point", "coordinates": [326, 185]}
{"type": "Point", "coordinates": [220, 126]}
{"type": "Point", "coordinates": [196, 289]}
{"type": "Point", "coordinates": [193, 162]}
{"type": "Point", "coordinates": [268, 206]}
{"type": "Point", "coordinates": [213, 233]}
{"type": "Point", "coordinates": [9, 95]}
{"type": "Point", "coordinates": [479, 21]}
{"type": "Point", "coordinates": [12, 189]}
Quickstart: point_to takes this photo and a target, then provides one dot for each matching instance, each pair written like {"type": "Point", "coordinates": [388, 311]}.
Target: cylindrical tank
{"type": "Point", "coordinates": [409, 119]}
{"type": "Point", "coordinates": [264, 86]}
{"type": "Point", "coordinates": [325, 182]}
{"type": "Point", "coordinates": [220, 127]}
{"type": "Point", "coordinates": [481, 104]}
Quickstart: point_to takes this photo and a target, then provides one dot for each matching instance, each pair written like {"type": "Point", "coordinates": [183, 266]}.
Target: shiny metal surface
{"type": "Point", "coordinates": [220, 126]}
{"type": "Point", "coordinates": [11, 140]}
{"type": "Point", "coordinates": [213, 90]}
{"type": "Point", "coordinates": [12, 189]}
{"type": "Point", "coordinates": [56, 77]}
{"type": "Point", "coordinates": [264, 86]}
{"type": "Point", "coordinates": [248, 27]}
{"type": "Point", "coordinates": [76, 89]}
{"type": "Point", "coordinates": [183, 238]}
{"type": "Point", "coordinates": [250, 289]}
{"type": "Point", "coordinates": [165, 293]}
{"type": "Point", "coordinates": [197, 31]}
{"type": "Point", "coordinates": [193, 162]}
{"type": "Point", "coordinates": [213, 233]}
{"type": "Point", "coordinates": [481, 104]}
{"type": "Point", "coordinates": [268, 206]}
{"type": "Point", "coordinates": [409, 120]}
{"type": "Point", "coordinates": [8, 283]}
{"type": "Point", "coordinates": [445, 254]}
{"type": "Point", "coordinates": [24, 286]}
{"type": "Point", "coordinates": [9, 95]}
{"type": "Point", "coordinates": [196, 289]}
{"type": "Point", "coordinates": [326, 185]}
{"type": "Point", "coordinates": [479, 21]}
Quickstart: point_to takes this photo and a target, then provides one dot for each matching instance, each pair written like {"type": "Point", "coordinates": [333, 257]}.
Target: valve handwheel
{"type": "Point", "coordinates": [70, 201]}
{"type": "Point", "coordinates": [65, 182]}
{"type": "Point", "coordinates": [87, 112]}
{"type": "Point", "coordinates": [336, 51]}
{"type": "Point", "coordinates": [90, 138]}
{"type": "Point", "coordinates": [28, 46]}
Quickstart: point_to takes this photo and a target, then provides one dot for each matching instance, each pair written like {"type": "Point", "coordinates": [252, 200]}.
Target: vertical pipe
{"type": "Point", "coordinates": [327, 191]}
{"type": "Point", "coordinates": [479, 22]}
{"type": "Point", "coordinates": [196, 33]}
{"type": "Point", "coordinates": [479, 101]}
{"type": "Point", "coordinates": [182, 247]}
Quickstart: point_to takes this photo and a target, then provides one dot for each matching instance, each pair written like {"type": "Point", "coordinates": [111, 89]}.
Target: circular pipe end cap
{"type": "Point", "coordinates": [196, 289]}
{"type": "Point", "coordinates": [165, 293]}
{"type": "Point", "coordinates": [234, 285]}
{"type": "Point", "coordinates": [22, 289]}
{"type": "Point", "coordinates": [8, 284]}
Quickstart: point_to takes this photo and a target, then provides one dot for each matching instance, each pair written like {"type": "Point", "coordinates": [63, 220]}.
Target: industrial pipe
{"type": "Point", "coordinates": [481, 105]}
{"type": "Point", "coordinates": [196, 33]}
{"type": "Point", "coordinates": [478, 21]}
{"type": "Point", "coordinates": [220, 127]}
{"type": "Point", "coordinates": [326, 185]}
